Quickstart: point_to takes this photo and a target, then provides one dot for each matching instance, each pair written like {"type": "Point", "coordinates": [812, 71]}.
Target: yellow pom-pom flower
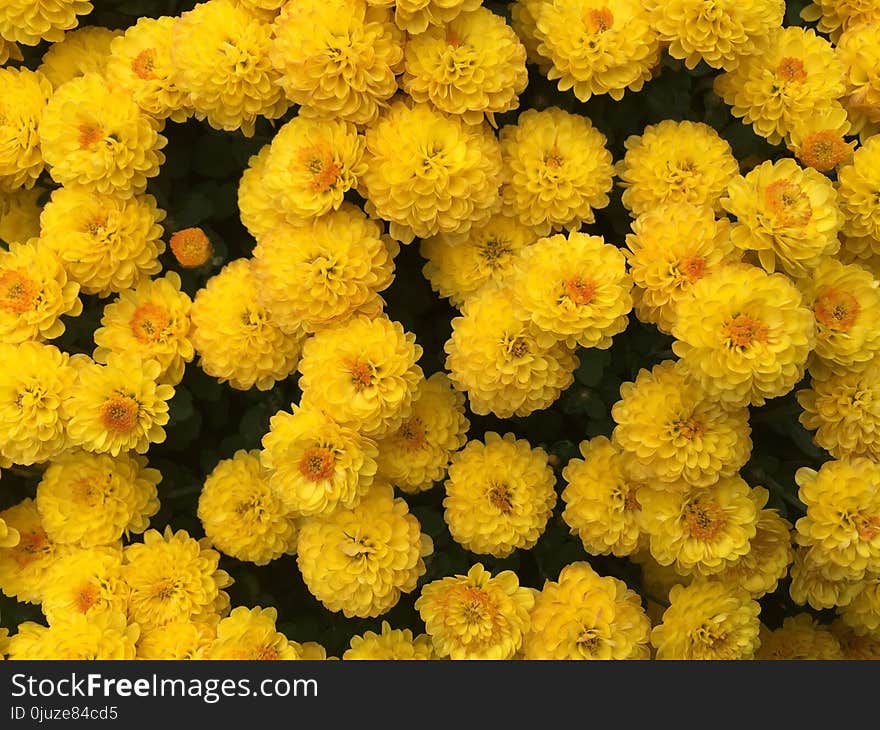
{"type": "Point", "coordinates": [476, 616]}
{"type": "Point", "coordinates": [817, 583]}
{"type": "Point", "coordinates": [799, 638]}
{"type": "Point", "coordinates": [414, 16]}
{"type": "Point", "coordinates": [191, 247]}
{"type": "Point", "coordinates": [220, 61]}
{"type": "Point", "coordinates": [859, 50]}
{"type": "Point", "coordinates": [81, 51]}
{"type": "Point", "coordinates": [744, 336]}
{"type": "Point", "coordinates": [583, 615]}
{"type": "Point", "coordinates": [95, 135]}
{"type": "Point", "coordinates": [250, 634]}
{"type": "Point", "coordinates": [429, 172]}
{"type": "Point", "coordinates": [175, 640]}
{"type": "Point", "coordinates": [257, 209]}
{"type": "Point", "coordinates": [557, 170]}
{"type": "Point", "coordinates": [817, 139]}
{"type": "Point", "coordinates": [853, 645]}
{"type": "Point", "coordinates": [85, 582]}
{"type": "Point", "coordinates": [708, 620]}
{"type": "Point", "coordinates": [24, 566]}
{"type": "Point", "coordinates": [862, 614]}
{"type": "Point", "coordinates": [20, 215]}
{"type": "Point", "coordinates": [391, 643]}
{"type": "Point", "coordinates": [241, 515]}
{"type": "Point", "coordinates": [601, 503]}
{"type": "Point", "coordinates": [235, 336]}
{"type": "Point", "coordinates": [506, 365]}
{"type": "Point", "coordinates": [30, 21]}
{"type": "Point", "coordinates": [836, 15]}
{"type": "Point", "coordinates": [786, 213]}
{"type": "Point", "coordinates": [337, 59]}
{"type": "Point", "coordinates": [25, 95]}
{"type": "Point", "coordinates": [861, 250]}
{"type": "Point", "coordinates": [499, 495]}
{"type": "Point", "coordinates": [857, 185]}
{"type": "Point", "coordinates": [106, 636]}
{"type": "Point", "coordinates": [360, 561]}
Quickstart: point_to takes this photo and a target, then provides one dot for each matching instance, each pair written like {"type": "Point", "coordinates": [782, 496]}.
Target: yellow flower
{"type": "Point", "coordinates": [417, 454]}
{"type": "Point", "coordinates": [719, 33]}
{"type": "Point", "coordinates": [174, 577]}
{"type": "Point", "coordinates": [817, 139]}
{"type": "Point", "coordinates": [708, 620]}
{"type": "Point", "coordinates": [119, 406]}
{"type": "Point", "coordinates": [859, 50]}
{"type": "Point", "coordinates": [25, 95]}
{"type": "Point", "coordinates": [175, 640]}
{"type": "Point", "coordinates": [842, 523]}
{"type": "Point", "coordinates": [557, 171]}
{"type": "Point", "coordinates": [429, 172]}
{"type": "Point", "coordinates": [575, 288]}
{"type": "Point", "coordinates": [705, 529]}
{"type": "Point", "coordinates": [241, 515]}
{"type": "Point", "coordinates": [257, 209]}
{"type": "Point", "coordinates": [499, 495]}
{"type": "Point", "coordinates": [583, 615]}
{"type": "Point", "coordinates": [250, 634]}
{"type": "Point", "coordinates": [744, 336]}
{"type": "Point", "coordinates": [672, 246]}
{"type": "Point", "coordinates": [30, 21]}
{"type": "Point", "coordinates": [264, 9]}
{"type": "Point", "coordinates": [796, 72]}
{"type": "Point", "coordinates": [107, 243]}
{"type": "Point", "coordinates": [95, 135]}
{"type": "Point", "coordinates": [857, 185]}
{"type": "Point", "coordinates": [524, 21]}
{"type": "Point", "coordinates": [95, 499]}
{"type": "Point", "coordinates": [811, 583]}
{"type": "Point", "coordinates": [799, 637]}
{"type": "Point", "coordinates": [315, 464]}
{"type": "Point", "coordinates": [9, 51]}
{"type": "Point", "coordinates": [20, 215]}
{"type": "Point", "coordinates": [460, 263]}
{"type": "Point", "coordinates": [473, 67]}
{"type": "Point", "coordinates": [363, 372]}
{"type": "Point", "coordinates": [861, 250]}
{"type": "Point", "coordinates": [191, 247]}
{"type": "Point", "coordinates": [86, 582]}
{"type": "Point", "coordinates": [787, 214]}
{"type": "Point", "coordinates": [675, 162]}
{"type": "Point", "coordinates": [337, 59]}
{"type": "Point", "coordinates": [836, 15]}
{"type": "Point", "coordinates": [670, 430]}
{"type": "Point", "coordinates": [414, 16]}
{"type": "Point", "coordinates": [598, 46]}
{"type": "Point", "coordinates": [601, 503]}
{"type": "Point", "coordinates": [140, 64]}
{"type": "Point", "coordinates": [340, 262]}
{"type": "Point", "coordinates": [35, 381]}
{"type": "Point", "coordinates": [81, 51]}
{"type": "Point", "coordinates": [220, 60]}
{"type": "Point", "coordinates": [506, 365]}
{"type": "Point", "coordinates": [77, 637]}
{"type": "Point", "coordinates": [476, 616]}
{"type": "Point", "coordinates": [235, 336]}
{"type": "Point", "coordinates": [24, 566]}
{"type": "Point", "coordinates": [359, 561]}
{"type": "Point", "coordinates": [853, 645]}
{"type": "Point", "coordinates": [862, 614]}
{"type": "Point", "coordinates": [389, 644]}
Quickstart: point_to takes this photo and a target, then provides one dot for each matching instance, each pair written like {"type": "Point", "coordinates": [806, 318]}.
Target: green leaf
{"type": "Point", "coordinates": [592, 365]}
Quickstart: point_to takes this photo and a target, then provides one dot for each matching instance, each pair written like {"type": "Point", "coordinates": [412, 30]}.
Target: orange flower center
{"type": "Point", "coordinates": [266, 653]}
{"type": "Point", "coordinates": [144, 63]}
{"type": "Point", "coordinates": [325, 171]}
{"type": "Point", "coordinates": [598, 20]}
{"type": "Point", "coordinates": [791, 69]}
{"type": "Point", "coordinates": [17, 292]}
{"type": "Point", "coordinates": [89, 135]}
{"type": "Point", "coordinates": [690, 429]}
{"type": "Point", "coordinates": [517, 347]}
{"type": "Point", "coordinates": [361, 374]}
{"type": "Point", "coordinates": [452, 38]}
{"type": "Point", "coordinates": [788, 203]}
{"type": "Point", "coordinates": [163, 590]}
{"type": "Point", "coordinates": [630, 500]}
{"type": "Point", "coordinates": [191, 247]}
{"type": "Point", "coordinates": [837, 309]}
{"type": "Point", "coordinates": [554, 159]}
{"type": "Point", "coordinates": [500, 498]}
{"type": "Point", "coordinates": [86, 597]}
{"type": "Point", "coordinates": [120, 413]}
{"type": "Point", "coordinates": [579, 290]}
{"type": "Point", "coordinates": [316, 463]}
{"type": "Point", "coordinates": [149, 322]}
{"type": "Point", "coordinates": [413, 433]}
{"type": "Point", "coordinates": [868, 527]}
{"type": "Point", "coordinates": [704, 520]}
{"type": "Point", "coordinates": [31, 546]}
{"type": "Point", "coordinates": [84, 491]}
{"type": "Point", "coordinates": [825, 150]}
{"type": "Point", "coordinates": [743, 330]}
{"type": "Point", "coordinates": [476, 605]}
{"type": "Point", "coordinates": [693, 267]}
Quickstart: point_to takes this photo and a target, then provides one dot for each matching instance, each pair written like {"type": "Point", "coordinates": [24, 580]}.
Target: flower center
{"type": "Point", "coordinates": [86, 597]}
{"type": "Point", "coordinates": [516, 346]}
{"type": "Point", "coordinates": [119, 413]}
{"type": "Point", "coordinates": [867, 527]}
{"type": "Point", "coordinates": [743, 330]}
{"type": "Point", "coordinates": [690, 428]}
{"type": "Point", "coordinates": [413, 433]}
{"type": "Point", "coordinates": [693, 267]}
{"type": "Point", "coordinates": [31, 546]}
{"type": "Point", "coordinates": [837, 309]}
{"type": "Point", "coordinates": [598, 20]}
{"type": "Point", "coordinates": [17, 291]}
{"type": "Point", "coordinates": [579, 290]}
{"type": "Point", "coordinates": [791, 69]}
{"type": "Point", "coordinates": [452, 38]}
{"type": "Point", "coordinates": [630, 499]}
{"type": "Point", "coordinates": [704, 520]}
{"type": "Point", "coordinates": [144, 63]}
{"type": "Point", "coordinates": [788, 202]}
{"type": "Point", "coordinates": [357, 546]}
{"type": "Point", "coordinates": [86, 492]}
{"type": "Point", "coordinates": [325, 171]}
{"type": "Point", "coordinates": [266, 653]}
{"type": "Point", "coordinates": [361, 374]}
{"type": "Point", "coordinates": [493, 250]}
{"type": "Point", "coordinates": [150, 322]}
{"type": "Point", "coordinates": [475, 605]}
{"type": "Point", "coordinates": [89, 135]}
{"type": "Point", "coordinates": [500, 497]}
{"type": "Point", "coordinates": [191, 247]}
{"type": "Point", "coordinates": [554, 159]}
{"type": "Point", "coordinates": [164, 590]}
{"type": "Point", "coordinates": [316, 463]}
{"type": "Point", "coordinates": [825, 150]}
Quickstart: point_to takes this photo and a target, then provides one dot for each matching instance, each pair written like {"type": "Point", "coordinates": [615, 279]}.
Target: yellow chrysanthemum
{"type": "Point", "coordinates": [476, 616]}
{"type": "Point", "coordinates": [191, 247]}
{"type": "Point", "coordinates": [9, 51]}
{"type": "Point", "coordinates": [174, 577]}
{"type": "Point", "coordinates": [337, 59]}
{"type": "Point", "coordinates": [107, 243]}
{"type": "Point", "coordinates": [557, 171]}
{"type": "Point", "coordinates": [119, 406]}
{"type": "Point", "coordinates": [861, 250]}
{"type": "Point", "coordinates": [853, 645]}
{"type": "Point", "coordinates": [363, 372]}
{"type": "Point", "coordinates": [719, 33]}
{"type": "Point", "coordinates": [140, 63]}
{"type": "Point", "coordinates": [35, 381]}
{"type": "Point", "coordinates": [315, 464]}
{"type": "Point", "coordinates": [862, 614]}
{"type": "Point", "coordinates": [796, 72]}
{"type": "Point", "coordinates": [25, 95]}
{"type": "Point", "coordinates": [85, 582]}
{"type": "Point", "coordinates": [524, 21]}
{"type": "Point", "coordinates": [235, 336]}
{"type": "Point", "coordinates": [417, 454]}
{"type": "Point", "coordinates": [601, 503]}
{"type": "Point", "coordinates": [583, 615]}
{"type": "Point", "coordinates": [859, 50]}
{"type": "Point", "coordinates": [499, 495]}
{"type": "Point", "coordinates": [506, 365]}
{"type": "Point", "coordinates": [241, 515]}
{"type": "Point", "coordinates": [340, 262]}
{"type": "Point", "coordinates": [708, 620]}
{"type": "Point", "coordinates": [31, 641]}
{"type": "Point", "coordinates": [800, 637]}
{"type": "Point", "coordinates": [95, 135]}
{"type": "Point", "coordinates": [30, 21]}
{"type": "Point", "coordinates": [703, 530]}
{"type": "Point", "coordinates": [857, 185]}
{"type": "Point", "coordinates": [811, 583]}
{"type": "Point", "coordinates": [77, 637]}
{"type": "Point", "coordinates": [250, 634]}
{"type": "Point", "coordinates": [175, 640]}
{"type": "Point", "coordinates": [414, 16]}
{"type": "Point", "coordinates": [672, 246]}
{"type": "Point", "coordinates": [787, 214]}
{"type": "Point", "coordinates": [744, 336]}
{"type": "Point", "coordinates": [670, 431]}
{"type": "Point", "coordinates": [220, 60]}
{"type": "Point", "coordinates": [473, 67]}
{"type": "Point", "coordinates": [429, 172]}
{"type": "Point", "coordinates": [389, 644]}
{"type": "Point", "coordinates": [257, 209]}
{"type": "Point", "coordinates": [359, 561]}
{"type": "Point", "coordinates": [817, 139]}
{"type": "Point", "coordinates": [20, 215]}
{"type": "Point", "coordinates": [598, 46]}
{"type": "Point", "coordinates": [835, 15]}
{"type": "Point", "coordinates": [675, 162]}
{"type": "Point", "coordinates": [81, 51]}
{"type": "Point", "coordinates": [23, 566]}
{"type": "Point", "coordinates": [575, 288]}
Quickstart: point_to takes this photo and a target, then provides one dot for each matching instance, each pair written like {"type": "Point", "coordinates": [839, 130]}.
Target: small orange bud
{"type": "Point", "coordinates": [191, 247]}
